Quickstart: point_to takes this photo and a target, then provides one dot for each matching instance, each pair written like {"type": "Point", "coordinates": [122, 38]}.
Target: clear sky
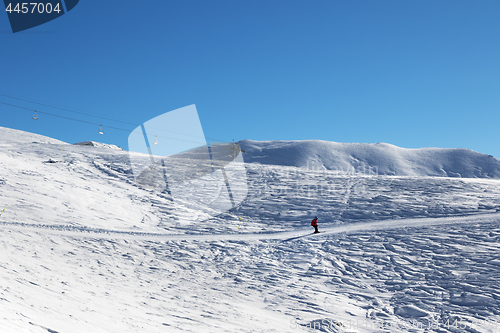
{"type": "Point", "coordinates": [410, 73]}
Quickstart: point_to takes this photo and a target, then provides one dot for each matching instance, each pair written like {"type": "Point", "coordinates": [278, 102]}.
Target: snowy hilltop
{"type": "Point", "coordinates": [97, 144]}
{"type": "Point", "coordinates": [380, 158]}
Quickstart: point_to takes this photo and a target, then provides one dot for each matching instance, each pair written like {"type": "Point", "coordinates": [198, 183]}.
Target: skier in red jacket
{"type": "Point", "coordinates": [314, 223]}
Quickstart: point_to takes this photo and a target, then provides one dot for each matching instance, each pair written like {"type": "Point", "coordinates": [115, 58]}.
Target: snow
{"type": "Point", "coordinates": [97, 144]}
{"type": "Point", "coordinates": [409, 311]}
{"type": "Point", "coordinates": [368, 158]}
{"type": "Point", "coordinates": [84, 249]}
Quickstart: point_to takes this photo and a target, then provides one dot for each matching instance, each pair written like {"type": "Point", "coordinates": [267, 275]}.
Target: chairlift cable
{"type": "Point", "coordinates": [96, 116]}
{"type": "Point", "coordinates": [111, 127]}
{"type": "Point", "coordinates": [91, 123]}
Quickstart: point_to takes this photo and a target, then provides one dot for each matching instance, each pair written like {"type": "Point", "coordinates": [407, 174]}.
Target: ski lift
{"type": "Point", "coordinates": [156, 141]}
{"type": "Point", "coordinates": [35, 116]}
{"type": "Point", "coordinates": [236, 148]}
{"type": "Point", "coordinates": [100, 130]}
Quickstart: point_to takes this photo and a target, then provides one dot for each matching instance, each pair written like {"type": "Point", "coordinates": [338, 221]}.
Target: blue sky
{"type": "Point", "coordinates": [414, 74]}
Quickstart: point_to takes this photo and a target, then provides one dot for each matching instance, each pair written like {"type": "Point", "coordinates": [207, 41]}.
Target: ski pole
{"type": "Point", "coordinates": [238, 224]}
{"type": "Point", "coordinates": [3, 210]}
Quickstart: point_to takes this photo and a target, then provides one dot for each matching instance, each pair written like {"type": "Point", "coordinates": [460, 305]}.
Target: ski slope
{"type": "Point", "coordinates": [280, 235]}
{"type": "Point", "coordinates": [85, 249]}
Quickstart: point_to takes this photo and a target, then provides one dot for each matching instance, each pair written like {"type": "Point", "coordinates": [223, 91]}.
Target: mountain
{"type": "Point", "coordinates": [85, 249]}
{"type": "Point", "coordinates": [380, 158]}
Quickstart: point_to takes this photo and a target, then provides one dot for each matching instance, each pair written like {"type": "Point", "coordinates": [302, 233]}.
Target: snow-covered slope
{"type": "Point", "coordinates": [97, 144]}
{"type": "Point", "coordinates": [84, 249]}
{"type": "Point", "coordinates": [381, 158]}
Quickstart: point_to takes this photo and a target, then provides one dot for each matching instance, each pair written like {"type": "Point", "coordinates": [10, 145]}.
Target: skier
{"type": "Point", "coordinates": [314, 223]}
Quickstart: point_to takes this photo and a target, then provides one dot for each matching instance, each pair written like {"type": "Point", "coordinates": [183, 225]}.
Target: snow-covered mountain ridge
{"type": "Point", "coordinates": [379, 158]}
{"type": "Point", "coordinates": [361, 158]}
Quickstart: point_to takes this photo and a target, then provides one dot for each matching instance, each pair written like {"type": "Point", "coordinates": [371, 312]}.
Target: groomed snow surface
{"type": "Point", "coordinates": [406, 245]}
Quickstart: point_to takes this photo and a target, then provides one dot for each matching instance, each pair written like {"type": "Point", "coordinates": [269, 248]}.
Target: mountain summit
{"type": "Point", "coordinates": [379, 158]}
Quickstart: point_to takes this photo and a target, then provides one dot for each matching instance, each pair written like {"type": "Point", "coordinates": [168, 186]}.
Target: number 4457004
{"type": "Point", "coordinates": [36, 7]}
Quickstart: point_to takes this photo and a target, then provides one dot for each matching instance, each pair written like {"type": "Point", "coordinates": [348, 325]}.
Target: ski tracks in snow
{"type": "Point", "coordinates": [285, 235]}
